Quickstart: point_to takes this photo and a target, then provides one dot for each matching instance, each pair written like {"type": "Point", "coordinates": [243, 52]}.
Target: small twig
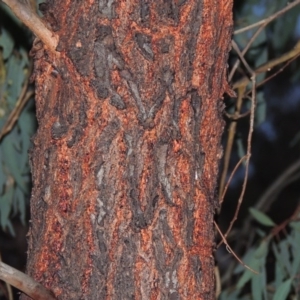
{"type": "Point", "coordinates": [229, 144]}
{"type": "Point", "coordinates": [233, 253]}
{"type": "Point", "coordinates": [295, 52]}
{"type": "Point", "coordinates": [275, 231]}
{"type": "Point", "coordinates": [270, 18]}
{"type": "Point", "coordinates": [28, 16]}
{"type": "Point", "coordinates": [236, 117]}
{"type": "Point", "coordinates": [24, 283]}
{"type": "Point", "coordinates": [276, 73]}
{"type": "Point", "coordinates": [248, 155]}
{"type": "Point", "coordinates": [241, 56]}
{"type": "Point", "coordinates": [230, 178]}
{"type": "Point", "coordinates": [218, 282]}
{"type": "Point", "coordinates": [263, 23]}
{"type": "Point", "coordinates": [249, 139]}
{"type": "Point", "coordinates": [237, 63]}
{"type": "Point", "coordinates": [9, 291]}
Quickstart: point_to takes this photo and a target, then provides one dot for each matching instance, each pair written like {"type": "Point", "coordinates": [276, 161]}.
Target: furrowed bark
{"type": "Point", "coordinates": [125, 159]}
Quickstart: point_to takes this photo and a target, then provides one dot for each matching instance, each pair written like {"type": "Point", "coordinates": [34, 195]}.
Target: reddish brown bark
{"type": "Point", "coordinates": [125, 160]}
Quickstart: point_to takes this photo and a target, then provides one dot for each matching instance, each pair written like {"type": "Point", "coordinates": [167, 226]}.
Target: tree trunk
{"type": "Point", "coordinates": [125, 160]}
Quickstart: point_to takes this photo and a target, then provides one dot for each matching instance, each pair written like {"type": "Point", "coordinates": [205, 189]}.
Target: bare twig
{"type": "Point", "coordinates": [277, 72]}
{"type": "Point", "coordinates": [28, 16]}
{"type": "Point", "coordinates": [229, 144]}
{"type": "Point", "coordinates": [295, 52]}
{"type": "Point", "coordinates": [249, 139]}
{"type": "Point", "coordinates": [270, 18]}
{"type": "Point", "coordinates": [241, 56]}
{"type": "Point", "coordinates": [237, 63]}
{"type": "Point", "coordinates": [233, 253]}
{"type": "Point", "coordinates": [24, 283]}
{"type": "Point", "coordinates": [236, 117]}
{"type": "Point", "coordinates": [230, 178]}
{"type": "Point", "coordinates": [275, 231]}
{"type": "Point", "coordinates": [248, 155]}
{"type": "Point", "coordinates": [218, 282]}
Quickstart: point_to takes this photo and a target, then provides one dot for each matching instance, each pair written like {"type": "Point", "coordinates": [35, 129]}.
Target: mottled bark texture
{"type": "Point", "coordinates": [125, 159]}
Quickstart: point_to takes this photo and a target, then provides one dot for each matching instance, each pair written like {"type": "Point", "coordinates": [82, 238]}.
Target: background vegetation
{"type": "Point", "coordinates": [260, 220]}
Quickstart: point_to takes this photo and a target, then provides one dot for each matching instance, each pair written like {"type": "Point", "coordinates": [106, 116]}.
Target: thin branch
{"type": "Point", "coordinates": [8, 287]}
{"type": "Point", "coordinates": [241, 56]}
{"type": "Point", "coordinates": [266, 21]}
{"type": "Point", "coordinates": [232, 252]}
{"type": "Point", "coordinates": [232, 131]}
{"type": "Point", "coordinates": [230, 178]}
{"type": "Point", "coordinates": [271, 64]}
{"type": "Point", "coordinates": [229, 144]}
{"type": "Point", "coordinates": [237, 63]}
{"type": "Point", "coordinates": [249, 139]}
{"type": "Point", "coordinates": [236, 117]}
{"type": "Point", "coordinates": [275, 231]}
{"type": "Point", "coordinates": [218, 282]}
{"type": "Point", "coordinates": [277, 72]}
{"type": "Point", "coordinates": [27, 15]}
{"type": "Point", "coordinates": [24, 283]}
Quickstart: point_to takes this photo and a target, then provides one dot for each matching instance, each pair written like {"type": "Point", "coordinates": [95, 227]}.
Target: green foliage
{"type": "Point", "coordinates": [285, 280]}
{"type": "Point", "coordinates": [261, 217]}
{"type": "Point", "coordinates": [14, 169]}
{"type": "Point", "coordinates": [265, 247]}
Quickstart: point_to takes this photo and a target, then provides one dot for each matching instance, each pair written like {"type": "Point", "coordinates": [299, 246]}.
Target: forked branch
{"type": "Point", "coordinates": [33, 22]}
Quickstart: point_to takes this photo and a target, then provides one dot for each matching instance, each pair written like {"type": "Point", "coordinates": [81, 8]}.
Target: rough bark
{"type": "Point", "coordinates": [125, 159]}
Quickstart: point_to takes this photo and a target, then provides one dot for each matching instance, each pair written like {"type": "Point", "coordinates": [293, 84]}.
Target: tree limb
{"type": "Point", "coordinates": [26, 14]}
{"type": "Point", "coordinates": [24, 283]}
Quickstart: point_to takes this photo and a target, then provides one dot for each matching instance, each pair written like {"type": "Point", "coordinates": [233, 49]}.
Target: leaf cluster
{"type": "Point", "coordinates": [17, 122]}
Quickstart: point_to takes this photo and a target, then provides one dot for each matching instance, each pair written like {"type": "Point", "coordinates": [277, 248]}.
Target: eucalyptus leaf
{"type": "Point", "coordinates": [233, 295]}
{"type": "Point", "coordinates": [279, 260]}
{"type": "Point", "coordinates": [5, 207]}
{"type": "Point", "coordinates": [284, 247]}
{"type": "Point", "coordinates": [279, 273]}
{"type": "Point", "coordinates": [10, 228]}
{"type": "Point", "coordinates": [283, 290]}
{"type": "Point", "coordinates": [6, 43]}
{"type": "Point", "coordinates": [10, 154]}
{"type": "Point", "coordinates": [244, 279]}
{"type": "Point", "coordinates": [15, 77]}
{"type": "Point", "coordinates": [2, 178]}
{"type": "Point", "coordinates": [241, 148]}
{"type": "Point", "coordinates": [261, 217]}
{"type": "Point", "coordinates": [248, 275]}
{"type": "Point", "coordinates": [27, 126]}
{"type": "Point", "coordinates": [262, 250]}
{"type": "Point", "coordinates": [261, 108]}
{"type": "Point", "coordinates": [20, 204]}
{"type": "Point", "coordinates": [256, 287]}
{"type": "Point", "coordinates": [246, 259]}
